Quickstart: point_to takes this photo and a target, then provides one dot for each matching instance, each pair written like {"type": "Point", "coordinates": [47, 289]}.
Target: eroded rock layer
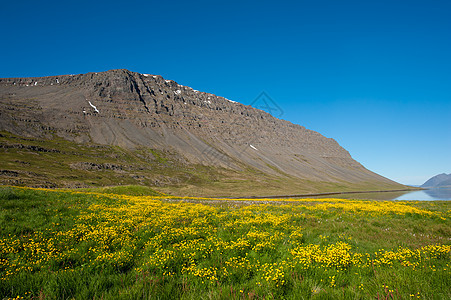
{"type": "Point", "coordinates": [128, 109]}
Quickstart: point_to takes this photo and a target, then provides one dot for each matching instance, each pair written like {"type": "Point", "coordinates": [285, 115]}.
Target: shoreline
{"type": "Point", "coordinates": [324, 194]}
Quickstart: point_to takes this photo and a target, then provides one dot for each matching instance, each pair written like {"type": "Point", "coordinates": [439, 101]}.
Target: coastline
{"type": "Point", "coordinates": [325, 194]}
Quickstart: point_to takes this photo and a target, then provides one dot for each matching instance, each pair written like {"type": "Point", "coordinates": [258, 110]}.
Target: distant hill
{"type": "Point", "coordinates": [438, 181]}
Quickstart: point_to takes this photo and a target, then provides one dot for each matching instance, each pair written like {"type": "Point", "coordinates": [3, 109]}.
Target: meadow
{"type": "Point", "coordinates": [126, 244]}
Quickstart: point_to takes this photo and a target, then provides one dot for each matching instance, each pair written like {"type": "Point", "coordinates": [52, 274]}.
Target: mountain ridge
{"type": "Point", "coordinates": [439, 180]}
{"type": "Point", "coordinates": [132, 110]}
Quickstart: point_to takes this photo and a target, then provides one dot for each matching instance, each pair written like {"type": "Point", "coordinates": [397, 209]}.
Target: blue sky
{"type": "Point", "coordinates": [373, 75]}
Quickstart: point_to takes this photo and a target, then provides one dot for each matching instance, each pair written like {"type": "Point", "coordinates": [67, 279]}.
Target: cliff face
{"type": "Point", "coordinates": [129, 110]}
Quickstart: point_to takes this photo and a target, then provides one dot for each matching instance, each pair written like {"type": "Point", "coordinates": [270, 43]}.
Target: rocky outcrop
{"type": "Point", "coordinates": [130, 110]}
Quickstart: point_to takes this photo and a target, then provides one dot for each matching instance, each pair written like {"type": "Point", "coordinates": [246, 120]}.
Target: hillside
{"type": "Point", "coordinates": [121, 127]}
{"type": "Point", "coordinates": [438, 181]}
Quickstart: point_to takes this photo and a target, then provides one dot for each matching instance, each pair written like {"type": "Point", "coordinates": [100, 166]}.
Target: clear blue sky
{"type": "Point", "coordinates": [373, 75]}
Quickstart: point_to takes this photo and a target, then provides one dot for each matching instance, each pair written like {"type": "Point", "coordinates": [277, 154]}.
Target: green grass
{"type": "Point", "coordinates": [132, 190]}
{"type": "Point", "coordinates": [96, 245]}
{"type": "Point", "coordinates": [60, 163]}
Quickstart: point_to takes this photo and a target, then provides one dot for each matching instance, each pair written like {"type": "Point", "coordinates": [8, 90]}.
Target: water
{"type": "Point", "coordinates": [427, 195]}
{"type": "Point", "coordinates": [435, 194]}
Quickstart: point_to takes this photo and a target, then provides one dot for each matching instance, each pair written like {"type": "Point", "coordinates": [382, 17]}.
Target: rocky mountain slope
{"type": "Point", "coordinates": [134, 111]}
{"type": "Point", "coordinates": [438, 181]}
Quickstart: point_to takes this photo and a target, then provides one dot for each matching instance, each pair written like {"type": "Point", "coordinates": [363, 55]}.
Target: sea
{"type": "Point", "coordinates": [432, 194]}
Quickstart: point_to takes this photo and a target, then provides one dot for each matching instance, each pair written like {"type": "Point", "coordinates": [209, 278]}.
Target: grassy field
{"type": "Point", "coordinates": [141, 244]}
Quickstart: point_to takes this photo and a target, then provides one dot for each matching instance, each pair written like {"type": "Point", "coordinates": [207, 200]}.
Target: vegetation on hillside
{"type": "Point", "coordinates": [89, 245]}
{"type": "Point", "coordinates": [58, 163]}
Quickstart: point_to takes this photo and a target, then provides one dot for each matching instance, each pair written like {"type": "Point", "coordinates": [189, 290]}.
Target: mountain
{"type": "Point", "coordinates": [438, 181]}
{"type": "Point", "coordinates": [205, 140]}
